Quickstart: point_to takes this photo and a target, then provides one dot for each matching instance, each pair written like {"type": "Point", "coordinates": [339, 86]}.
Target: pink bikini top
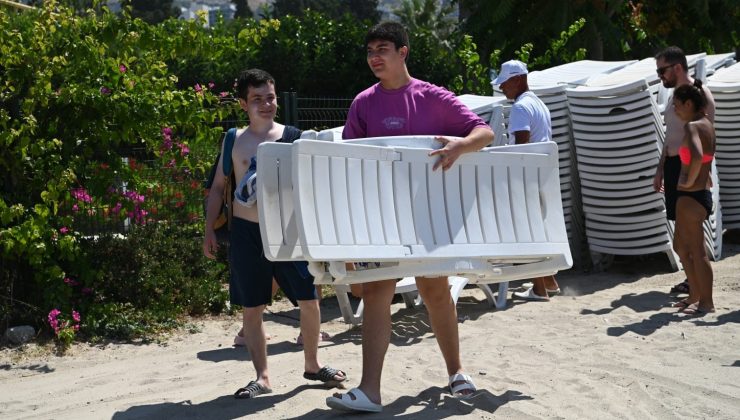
{"type": "Point", "coordinates": [685, 155]}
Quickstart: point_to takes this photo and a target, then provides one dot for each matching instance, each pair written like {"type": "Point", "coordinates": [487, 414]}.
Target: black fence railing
{"type": "Point", "coordinates": [313, 113]}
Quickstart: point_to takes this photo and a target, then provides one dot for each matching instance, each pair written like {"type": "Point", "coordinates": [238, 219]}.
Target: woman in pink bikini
{"type": "Point", "coordinates": [694, 203]}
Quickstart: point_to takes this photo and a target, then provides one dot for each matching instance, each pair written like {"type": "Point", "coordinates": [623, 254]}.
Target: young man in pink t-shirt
{"type": "Point", "coordinates": [401, 105]}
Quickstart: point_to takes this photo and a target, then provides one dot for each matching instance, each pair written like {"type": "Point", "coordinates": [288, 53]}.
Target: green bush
{"type": "Point", "coordinates": [143, 282]}
{"type": "Point", "coordinates": [77, 95]}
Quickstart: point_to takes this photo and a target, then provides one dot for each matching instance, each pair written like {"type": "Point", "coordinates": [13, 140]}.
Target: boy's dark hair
{"type": "Point", "coordinates": [673, 55]}
{"type": "Point", "coordinates": [693, 92]}
{"type": "Point", "coordinates": [251, 78]}
{"type": "Point", "coordinates": [388, 31]}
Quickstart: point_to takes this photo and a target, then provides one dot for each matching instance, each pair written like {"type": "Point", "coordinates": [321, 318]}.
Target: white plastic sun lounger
{"type": "Point", "coordinates": [360, 202]}
{"type": "Point", "coordinates": [441, 241]}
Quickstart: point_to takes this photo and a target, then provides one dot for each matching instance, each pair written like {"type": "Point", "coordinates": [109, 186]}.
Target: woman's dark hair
{"type": "Point", "coordinates": [693, 92]}
{"type": "Point", "coordinates": [251, 78]}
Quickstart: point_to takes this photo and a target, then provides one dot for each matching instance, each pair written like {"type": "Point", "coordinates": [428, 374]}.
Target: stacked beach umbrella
{"type": "Point", "coordinates": [725, 87]}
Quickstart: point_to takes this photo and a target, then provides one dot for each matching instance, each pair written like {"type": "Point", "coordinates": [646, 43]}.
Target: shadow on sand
{"type": "Point", "coordinates": [432, 403]}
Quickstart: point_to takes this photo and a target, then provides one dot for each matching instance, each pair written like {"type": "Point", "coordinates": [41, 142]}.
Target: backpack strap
{"type": "Point", "coordinates": [290, 134]}
{"type": "Point", "coordinates": [227, 164]}
{"type": "Point", "coordinates": [228, 168]}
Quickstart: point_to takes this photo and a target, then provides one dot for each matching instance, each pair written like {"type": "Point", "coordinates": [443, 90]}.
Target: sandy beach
{"type": "Point", "coordinates": [608, 347]}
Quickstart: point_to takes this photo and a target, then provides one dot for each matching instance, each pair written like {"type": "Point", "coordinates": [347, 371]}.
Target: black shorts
{"type": "Point", "coordinates": [671, 172]}
{"type": "Point", "coordinates": [703, 197]}
{"type": "Point", "coordinates": [250, 284]}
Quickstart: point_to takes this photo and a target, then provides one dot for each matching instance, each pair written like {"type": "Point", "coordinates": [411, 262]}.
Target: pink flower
{"type": "Point", "coordinates": [81, 194]}
{"type": "Point", "coordinates": [167, 136]}
{"type": "Point", "coordinates": [104, 90]}
{"type": "Point", "coordinates": [211, 85]}
{"type": "Point", "coordinates": [184, 149]}
{"type": "Point", "coordinates": [52, 318]}
{"type": "Point", "coordinates": [198, 88]}
{"type": "Point", "coordinates": [75, 315]}
{"type": "Point", "coordinates": [223, 94]}
{"type": "Point", "coordinates": [86, 290]}
{"type": "Point", "coordinates": [134, 196]}
{"type": "Point", "coordinates": [70, 281]}
{"type": "Point", "coordinates": [75, 208]}
{"type": "Point", "coordinates": [122, 68]}
{"type": "Point", "coordinates": [117, 208]}
{"type": "Point", "coordinates": [63, 229]}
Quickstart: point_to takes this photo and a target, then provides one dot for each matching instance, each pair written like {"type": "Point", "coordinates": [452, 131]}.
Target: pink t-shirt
{"type": "Point", "coordinates": [419, 108]}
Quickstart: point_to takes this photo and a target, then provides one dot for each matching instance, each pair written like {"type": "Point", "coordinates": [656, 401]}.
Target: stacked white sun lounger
{"type": "Point", "coordinates": [549, 85]}
{"type": "Point", "coordinates": [494, 216]}
{"type": "Point", "coordinates": [725, 87]}
{"type": "Point", "coordinates": [619, 136]}
{"type": "Point", "coordinates": [645, 70]}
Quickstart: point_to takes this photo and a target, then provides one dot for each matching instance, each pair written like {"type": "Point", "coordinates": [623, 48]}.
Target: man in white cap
{"type": "Point", "coordinates": [529, 122]}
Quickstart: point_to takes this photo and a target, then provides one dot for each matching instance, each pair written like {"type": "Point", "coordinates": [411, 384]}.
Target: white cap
{"type": "Point", "coordinates": [510, 69]}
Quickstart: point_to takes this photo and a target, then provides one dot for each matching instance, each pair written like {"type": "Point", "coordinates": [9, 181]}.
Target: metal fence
{"type": "Point", "coordinates": [180, 199]}
{"type": "Point", "coordinates": [313, 113]}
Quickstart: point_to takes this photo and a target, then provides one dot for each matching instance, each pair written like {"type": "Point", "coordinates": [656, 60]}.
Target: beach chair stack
{"type": "Point", "coordinates": [619, 135]}
{"type": "Point", "coordinates": [725, 87]}
{"type": "Point", "coordinates": [549, 85]}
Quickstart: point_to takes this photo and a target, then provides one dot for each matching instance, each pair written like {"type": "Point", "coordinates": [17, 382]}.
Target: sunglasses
{"type": "Point", "coordinates": [661, 70]}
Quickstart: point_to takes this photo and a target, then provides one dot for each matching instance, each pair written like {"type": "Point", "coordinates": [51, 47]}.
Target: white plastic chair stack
{"type": "Point", "coordinates": [645, 70]}
{"type": "Point", "coordinates": [725, 87]}
{"type": "Point", "coordinates": [619, 136]}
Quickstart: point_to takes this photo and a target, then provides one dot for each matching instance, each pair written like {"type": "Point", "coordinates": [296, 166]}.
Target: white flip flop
{"type": "Point", "coordinates": [361, 403]}
{"type": "Point", "coordinates": [467, 384]}
{"type": "Point", "coordinates": [529, 294]}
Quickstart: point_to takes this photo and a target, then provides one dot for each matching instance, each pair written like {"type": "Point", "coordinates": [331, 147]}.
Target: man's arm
{"type": "Point", "coordinates": [521, 137]}
{"type": "Point", "coordinates": [478, 138]}
{"type": "Point", "coordinates": [658, 178]}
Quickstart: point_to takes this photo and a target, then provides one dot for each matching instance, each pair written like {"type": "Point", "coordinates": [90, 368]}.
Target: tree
{"type": "Point", "coordinates": [696, 26]}
{"type": "Point", "coordinates": [613, 30]}
{"type": "Point", "coordinates": [242, 9]}
{"type": "Point", "coordinates": [427, 14]}
{"type": "Point", "coordinates": [152, 11]}
{"type": "Point", "coordinates": [360, 9]}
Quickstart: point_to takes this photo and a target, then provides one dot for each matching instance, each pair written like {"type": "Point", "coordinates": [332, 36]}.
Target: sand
{"type": "Point", "coordinates": [608, 347]}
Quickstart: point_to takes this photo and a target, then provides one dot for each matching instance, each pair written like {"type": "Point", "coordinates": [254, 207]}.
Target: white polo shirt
{"type": "Point", "coordinates": [529, 113]}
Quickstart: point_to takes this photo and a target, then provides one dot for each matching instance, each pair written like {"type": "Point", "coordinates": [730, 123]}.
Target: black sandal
{"type": "Point", "coordinates": [252, 390]}
{"type": "Point", "coordinates": [325, 374]}
{"type": "Point", "coordinates": [681, 288]}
